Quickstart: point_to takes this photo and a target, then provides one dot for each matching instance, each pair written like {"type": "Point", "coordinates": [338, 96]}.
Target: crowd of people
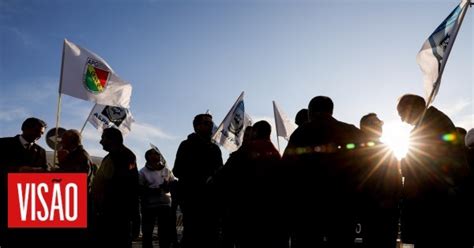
{"type": "Point", "coordinates": [332, 177]}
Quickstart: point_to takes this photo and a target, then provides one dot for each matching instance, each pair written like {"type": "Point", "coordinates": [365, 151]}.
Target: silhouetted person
{"type": "Point", "coordinates": [461, 135]}
{"type": "Point", "coordinates": [257, 202]}
{"type": "Point", "coordinates": [248, 136]}
{"type": "Point", "coordinates": [469, 139]}
{"type": "Point", "coordinates": [322, 157]}
{"type": "Point", "coordinates": [197, 160]}
{"type": "Point", "coordinates": [73, 158]}
{"type": "Point", "coordinates": [115, 192]}
{"type": "Point", "coordinates": [20, 154]}
{"type": "Point", "coordinates": [175, 203]}
{"type": "Point", "coordinates": [155, 199]}
{"type": "Point", "coordinates": [301, 117]}
{"type": "Point", "coordinates": [468, 188]}
{"type": "Point", "coordinates": [268, 216]}
{"type": "Point", "coordinates": [380, 185]}
{"type": "Point", "coordinates": [227, 181]}
{"type": "Point", "coordinates": [434, 169]}
{"type": "Point", "coordinates": [469, 142]}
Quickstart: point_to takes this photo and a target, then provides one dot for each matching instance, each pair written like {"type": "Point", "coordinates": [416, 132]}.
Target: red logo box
{"type": "Point", "coordinates": [47, 200]}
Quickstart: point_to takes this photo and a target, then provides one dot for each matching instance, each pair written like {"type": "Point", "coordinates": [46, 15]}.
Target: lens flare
{"type": "Point", "coordinates": [449, 137]}
{"type": "Point", "coordinates": [396, 135]}
{"type": "Point", "coordinates": [350, 146]}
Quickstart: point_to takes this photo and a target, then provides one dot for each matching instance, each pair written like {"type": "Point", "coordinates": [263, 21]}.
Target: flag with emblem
{"type": "Point", "coordinates": [105, 116]}
{"type": "Point", "coordinates": [434, 53]}
{"type": "Point", "coordinates": [230, 132]}
{"type": "Point", "coordinates": [87, 76]}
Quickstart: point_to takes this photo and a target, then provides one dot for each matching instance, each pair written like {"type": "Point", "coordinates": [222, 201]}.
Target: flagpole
{"type": "Point", "coordinates": [278, 142]}
{"type": "Point", "coordinates": [276, 125]}
{"type": "Point", "coordinates": [58, 110]}
{"type": "Point", "coordinates": [87, 119]}
{"type": "Point", "coordinates": [427, 104]}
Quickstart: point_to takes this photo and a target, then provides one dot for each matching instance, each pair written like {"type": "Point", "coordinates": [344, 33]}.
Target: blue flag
{"type": "Point", "coordinates": [435, 51]}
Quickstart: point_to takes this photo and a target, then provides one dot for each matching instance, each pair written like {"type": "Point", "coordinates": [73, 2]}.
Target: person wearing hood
{"type": "Point", "coordinates": [197, 161]}
{"type": "Point", "coordinates": [154, 180]}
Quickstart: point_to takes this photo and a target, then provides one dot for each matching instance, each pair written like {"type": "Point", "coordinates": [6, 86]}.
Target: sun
{"type": "Point", "coordinates": [396, 135]}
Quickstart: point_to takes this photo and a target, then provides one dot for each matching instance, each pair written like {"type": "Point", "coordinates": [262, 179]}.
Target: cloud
{"type": "Point", "coordinates": [137, 140]}
{"type": "Point", "coordinates": [75, 108]}
{"type": "Point", "coordinates": [466, 121]}
{"type": "Point", "coordinates": [45, 90]}
{"type": "Point", "coordinates": [457, 107]}
{"type": "Point", "coordinates": [262, 118]}
{"type": "Point", "coordinates": [460, 113]}
{"type": "Point", "coordinates": [144, 131]}
{"type": "Point", "coordinates": [91, 135]}
{"type": "Point", "coordinates": [13, 113]}
{"type": "Point", "coordinates": [96, 152]}
{"type": "Point", "coordinates": [140, 130]}
{"type": "Point", "coordinates": [16, 34]}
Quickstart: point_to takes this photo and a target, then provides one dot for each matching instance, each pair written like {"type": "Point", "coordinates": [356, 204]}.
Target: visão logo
{"type": "Point", "coordinates": [47, 200]}
{"type": "Point", "coordinates": [96, 76]}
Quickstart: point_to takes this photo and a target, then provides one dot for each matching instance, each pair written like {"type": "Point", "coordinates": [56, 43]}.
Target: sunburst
{"type": "Point", "coordinates": [396, 135]}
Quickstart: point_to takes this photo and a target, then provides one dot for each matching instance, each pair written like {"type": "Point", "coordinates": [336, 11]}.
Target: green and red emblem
{"type": "Point", "coordinates": [96, 76]}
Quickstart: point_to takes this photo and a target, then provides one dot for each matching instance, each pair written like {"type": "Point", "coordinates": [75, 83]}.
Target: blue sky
{"type": "Point", "coordinates": [185, 57]}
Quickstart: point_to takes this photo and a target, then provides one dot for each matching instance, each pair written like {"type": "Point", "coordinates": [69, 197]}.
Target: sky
{"type": "Point", "coordinates": [186, 57]}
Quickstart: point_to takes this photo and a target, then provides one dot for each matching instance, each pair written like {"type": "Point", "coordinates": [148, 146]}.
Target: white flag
{"type": "Point", "coordinates": [230, 132]}
{"type": "Point", "coordinates": [435, 51]}
{"type": "Point", "coordinates": [284, 126]}
{"type": "Point", "coordinates": [103, 116]}
{"type": "Point", "coordinates": [87, 76]}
